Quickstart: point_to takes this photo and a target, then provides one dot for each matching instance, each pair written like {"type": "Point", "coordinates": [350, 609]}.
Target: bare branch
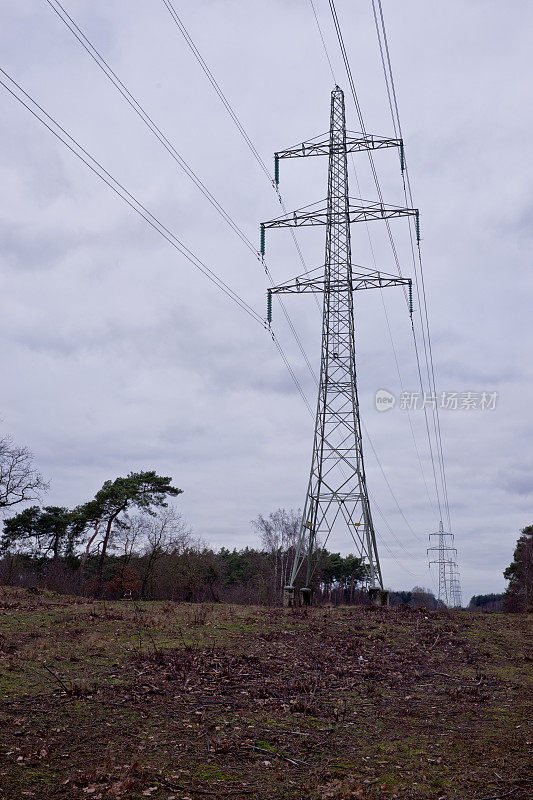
{"type": "Point", "coordinates": [19, 480]}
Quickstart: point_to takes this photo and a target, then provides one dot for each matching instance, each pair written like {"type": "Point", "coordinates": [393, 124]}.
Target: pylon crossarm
{"type": "Point", "coordinates": [355, 142]}
{"type": "Point", "coordinates": [358, 211]}
{"type": "Point", "coordinates": [377, 280]}
{"type": "Point", "coordinates": [444, 554]}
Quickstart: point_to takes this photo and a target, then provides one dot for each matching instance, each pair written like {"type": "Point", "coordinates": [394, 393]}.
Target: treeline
{"type": "Point", "coordinates": [486, 602]}
{"type": "Point", "coordinates": [192, 573]}
{"type": "Point", "coordinates": [128, 541]}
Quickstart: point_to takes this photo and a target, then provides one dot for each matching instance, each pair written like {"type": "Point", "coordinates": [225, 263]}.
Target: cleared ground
{"type": "Point", "coordinates": [133, 700]}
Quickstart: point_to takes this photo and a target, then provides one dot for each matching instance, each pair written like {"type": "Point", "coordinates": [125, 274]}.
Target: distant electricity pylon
{"type": "Point", "coordinates": [449, 584]}
{"type": "Point", "coordinates": [337, 489]}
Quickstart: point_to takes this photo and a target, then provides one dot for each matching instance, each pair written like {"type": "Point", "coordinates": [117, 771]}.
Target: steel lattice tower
{"type": "Point", "coordinates": [449, 584]}
{"type": "Point", "coordinates": [337, 489]}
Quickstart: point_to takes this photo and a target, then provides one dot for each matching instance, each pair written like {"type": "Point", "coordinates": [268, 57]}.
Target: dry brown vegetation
{"type": "Point", "coordinates": [133, 700]}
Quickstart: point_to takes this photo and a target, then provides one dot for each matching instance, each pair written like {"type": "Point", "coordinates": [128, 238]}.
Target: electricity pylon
{"type": "Point", "coordinates": [456, 596]}
{"type": "Point", "coordinates": [449, 584]}
{"type": "Point", "coordinates": [337, 489]}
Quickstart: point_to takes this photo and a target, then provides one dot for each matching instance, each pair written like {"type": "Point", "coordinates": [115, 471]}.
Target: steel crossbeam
{"type": "Point", "coordinates": [357, 210]}
{"type": "Point", "coordinates": [355, 143]}
{"type": "Point", "coordinates": [357, 282]}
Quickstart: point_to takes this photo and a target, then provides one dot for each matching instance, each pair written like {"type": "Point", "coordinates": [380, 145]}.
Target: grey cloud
{"type": "Point", "coordinates": [519, 483]}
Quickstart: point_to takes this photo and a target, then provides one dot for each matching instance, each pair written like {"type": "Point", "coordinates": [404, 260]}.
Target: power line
{"type": "Point", "coordinates": [229, 108]}
{"type": "Point", "coordinates": [391, 239]}
{"type": "Point", "coordinates": [323, 41]}
{"type": "Point", "coordinates": [352, 85]}
{"type": "Point", "coordinates": [391, 338]}
{"type": "Point", "coordinates": [102, 64]}
{"type": "Point", "coordinates": [83, 155]}
{"type": "Point", "coordinates": [212, 80]}
{"type": "Point", "coordinates": [395, 114]}
{"type": "Point", "coordinates": [99, 60]}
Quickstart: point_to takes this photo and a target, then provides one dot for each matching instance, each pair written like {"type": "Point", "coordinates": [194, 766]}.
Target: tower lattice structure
{"type": "Point", "coordinates": [337, 490]}
{"type": "Point", "coordinates": [449, 591]}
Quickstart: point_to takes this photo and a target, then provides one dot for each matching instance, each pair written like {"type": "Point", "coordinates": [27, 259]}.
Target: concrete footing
{"type": "Point", "coordinates": [373, 596]}
{"type": "Point", "coordinates": [288, 597]}
{"type": "Point", "coordinates": [378, 597]}
{"type": "Point", "coordinates": [305, 594]}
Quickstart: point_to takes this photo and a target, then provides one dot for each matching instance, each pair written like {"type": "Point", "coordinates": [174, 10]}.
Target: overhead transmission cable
{"type": "Point", "coordinates": [104, 66]}
{"type": "Point", "coordinates": [211, 78]}
{"type": "Point", "coordinates": [424, 320]}
{"type": "Point", "coordinates": [384, 309]}
{"type": "Point", "coordinates": [83, 155]}
{"type": "Point", "coordinates": [344, 54]}
{"type": "Point", "coordinates": [99, 60]}
{"type": "Point", "coordinates": [323, 41]}
{"type": "Point", "coordinates": [391, 92]}
{"type": "Point", "coordinates": [395, 354]}
{"type": "Point", "coordinates": [395, 114]}
{"type": "Point", "coordinates": [227, 105]}
{"type": "Point", "coordinates": [395, 255]}
{"type": "Point", "coordinates": [97, 57]}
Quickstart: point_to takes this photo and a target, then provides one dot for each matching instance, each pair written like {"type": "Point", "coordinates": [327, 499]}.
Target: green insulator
{"type": "Point", "coordinates": [269, 307]}
{"type": "Point", "coordinates": [402, 157]}
{"type": "Point", "coordinates": [276, 169]}
{"type": "Point", "coordinates": [262, 240]}
{"type": "Point", "coordinates": [410, 297]}
{"type": "Point", "coordinates": [417, 226]}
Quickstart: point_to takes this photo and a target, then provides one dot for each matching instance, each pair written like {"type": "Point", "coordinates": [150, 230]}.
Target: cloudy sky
{"type": "Point", "coordinates": [118, 355]}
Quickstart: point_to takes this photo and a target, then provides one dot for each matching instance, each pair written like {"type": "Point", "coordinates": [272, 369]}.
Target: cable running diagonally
{"type": "Point", "coordinates": [408, 194]}
{"type": "Point", "coordinates": [227, 105]}
{"type": "Point", "coordinates": [132, 101]}
{"type": "Point", "coordinates": [83, 155]}
{"type": "Point", "coordinates": [212, 80]}
{"type": "Point", "coordinates": [169, 147]}
{"type": "Point", "coordinates": [323, 41]}
{"type": "Point", "coordinates": [383, 301]}
{"type": "Point", "coordinates": [376, 179]}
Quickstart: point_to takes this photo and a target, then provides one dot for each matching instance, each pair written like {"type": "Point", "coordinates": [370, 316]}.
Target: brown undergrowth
{"type": "Point", "coordinates": [155, 700]}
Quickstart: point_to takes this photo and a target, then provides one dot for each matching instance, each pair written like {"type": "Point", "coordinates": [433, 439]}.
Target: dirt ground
{"type": "Point", "coordinates": [133, 700]}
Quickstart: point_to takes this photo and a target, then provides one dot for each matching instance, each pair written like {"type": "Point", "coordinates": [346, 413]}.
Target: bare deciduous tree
{"type": "Point", "coordinates": [164, 533]}
{"type": "Point", "coordinates": [279, 535]}
{"type": "Point", "coordinates": [19, 480]}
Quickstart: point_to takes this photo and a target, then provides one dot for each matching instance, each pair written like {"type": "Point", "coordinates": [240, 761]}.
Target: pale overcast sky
{"type": "Point", "coordinates": [119, 355]}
